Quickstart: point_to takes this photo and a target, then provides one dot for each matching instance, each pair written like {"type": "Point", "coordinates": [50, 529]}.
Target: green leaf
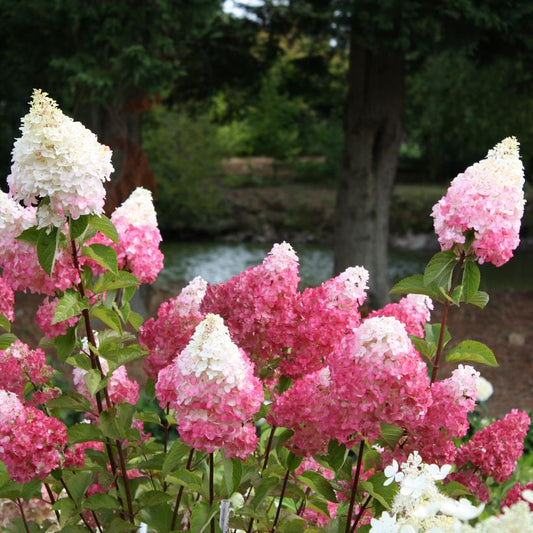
{"type": "Point", "coordinates": [135, 319]}
{"type": "Point", "coordinates": [30, 235]}
{"type": "Point", "coordinates": [78, 226]}
{"type": "Point", "coordinates": [474, 351]}
{"type": "Point", "coordinates": [6, 340]}
{"type": "Point", "coordinates": [69, 305]}
{"type": "Point", "coordinates": [46, 249]}
{"type": "Point", "coordinates": [175, 457]}
{"type": "Point", "coordinates": [100, 502]}
{"type": "Point", "coordinates": [319, 484]}
{"type": "Point", "coordinates": [109, 425]}
{"type": "Point", "coordinates": [337, 454]}
{"type": "Point", "coordinates": [415, 285]}
{"type": "Point", "coordinates": [480, 299]}
{"type": "Point", "coordinates": [108, 317]}
{"type": "Point", "coordinates": [65, 344]}
{"type": "Point", "coordinates": [77, 483]}
{"type": "Point", "coordinates": [105, 226]}
{"type": "Point", "coordinates": [424, 347]}
{"type": "Point", "coordinates": [152, 497]}
{"type": "Point", "coordinates": [390, 434]}
{"type": "Point", "coordinates": [471, 280]}
{"type": "Point", "coordinates": [93, 380]}
{"type": "Point", "coordinates": [263, 489]}
{"type": "Point", "coordinates": [70, 400]}
{"type": "Point", "coordinates": [103, 255]}
{"type": "Point", "coordinates": [125, 415]}
{"type": "Point", "coordinates": [232, 475]}
{"type": "Point", "coordinates": [453, 489]}
{"type": "Point", "coordinates": [293, 461]}
{"type": "Point", "coordinates": [186, 478]}
{"type": "Point", "coordinates": [202, 514]}
{"type": "Point", "coordinates": [381, 493]}
{"type": "Point", "coordinates": [110, 281]}
{"type": "Point", "coordinates": [433, 333]}
{"type": "Point", "coordinates": [84, 433]}
{"type": "Point", "coordinates": [440, 269]}
{"type": "Point", "coordinates": [4, 322]}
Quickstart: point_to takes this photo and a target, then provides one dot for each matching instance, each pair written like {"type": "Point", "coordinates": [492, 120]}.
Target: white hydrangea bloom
{"type": "Point", "coordinates": [515, 519]}
{"type": "Point", "coordinates": [14, 218]}
{"type": "Point", "coordinates": [138, 209]}
{"type": "Point", "coordinates": [382, 337]}
{"type": "Point", "coordinates": [484, 389]}
{"type": "Point", "coordinates": [59, 159]}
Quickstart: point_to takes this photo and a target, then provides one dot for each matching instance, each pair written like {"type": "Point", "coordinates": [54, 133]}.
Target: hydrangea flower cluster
{"type": "Point", "coordinates": [519, 492]}
{"type": "Point", "coordinates": [419, 506]}
{"type": "Point", "coordinates": [59, 159]}
{"type": "Point", "coordinates": [377, 370]}
{"type": "Point", "coordinates": [20, 365]}
{"type": "Point", "coordinates": [515, 519]}
{"type": "Point", "coordinates": [258, 305]}
{"type": "Point", "coordinates": [324, 316]}
{"type": "Point", "coordinates": [166, 336]}
{"type": "Point", "coordinates": [30, 441]}
{"type": "Point", "coordinates": [487, 198]}
{"type": "Point", "coordinates": [414, 310]}
{"type": "Point", "coordinates": [139, 236]}
{"type": "Point", "coordinates": [7, 300]}
{"type": "Point", "coordinates": [493, 451]}
{"type": "Point", "coordinates": [212, 387]}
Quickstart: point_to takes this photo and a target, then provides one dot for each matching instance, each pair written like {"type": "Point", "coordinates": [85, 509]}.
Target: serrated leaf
{"type": "Point", "coordinates": [84, 433]}
{"type": "Point", "coordinates": [69, 305]}
{"type": "Point", "coordinates": [186, 478]}
{"type": "Point", "coordinates": [108, 317]}
{"type": "Point", "coordinates": [202, 514]}
{"type": "Point", "coordinates": [440, 269]}
{"type": "Point", "coordinates": [70, 400]}
{"type": "Point", "coordinates": [432, 332]}
{"type": "Point", "coordinates": [381, 493]}
{"type": "Point", "coordinates": [390, 434]}
{"type": "Point", "coordinates": [64, 344]}
{"type": "Point", "coordinates": [93, 380]}
{"type": "Point", "coordinates": [293, 461]}
{"type": "Point", "coordinates": [471, 280]}
{"type": "Point", "coordinates": [263, 489]}
{"type": "Point", "coordinates": [77, 226]}
{"type": "Point", "coordinates": [109, 425]}
{"type": "Point", "coordinates": [319, 484]}
{"type": "Point", "coordinates": [4, 322]}
{"type": "Point", "coordinates": [110, 281]}
{"type": "Point", "coordinates": [152, 497]}
{"type": "Point", "coordinates": [103, 255]}
{"type": "Point", "coordinates": [30, 235]}
{"type": "Point", "coordinates": [480, 299]}
{"type": "Point", "coordinates": [105, 226]}
{"type": "Point", "coordinates": [415, 285]}
{"type": "Point", "coordinates": [337, 454]}
{"type": "Point", "coordinates": [424, 347]}
{"type": "Point", "coordinates": [100, 502]}
{"type": "Point", "coordinates": [175, 457]}
{"type": "Point", "coordinates": [47, 248]}
{"type": "Point", "coordinates": [474, 351]}
{"type": "Point", "coordinates": [77, 483]}
{"type": "Point", "coordinates": [6, 340]}
{"type": "Point", "coordinates": [135, 319]}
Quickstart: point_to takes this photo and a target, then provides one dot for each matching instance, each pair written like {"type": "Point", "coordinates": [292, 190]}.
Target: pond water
{"type": "Point", "coordinates": [218, 261]}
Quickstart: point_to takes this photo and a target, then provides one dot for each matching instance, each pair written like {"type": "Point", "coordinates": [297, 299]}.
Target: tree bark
{"type": "Point", "coordinates": [373, 130]}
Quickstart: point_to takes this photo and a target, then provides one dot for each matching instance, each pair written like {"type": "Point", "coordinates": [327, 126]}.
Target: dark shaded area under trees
{"type": "Point", "coordinates": [175, 86]}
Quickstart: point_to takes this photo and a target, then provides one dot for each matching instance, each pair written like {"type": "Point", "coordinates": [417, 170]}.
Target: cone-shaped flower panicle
{"type": "Point", "coordinates": [212, 387]}
{"type": "Point", "coordinates": [305, 408]}
{"type": "Point", "coordinates": [413, 311]}
{"type": "Point", "coordinates": [139, 236]}
{"type": "Point", "coordinates": [166, 336]}
{"type": "Point", "coordinates": [325, 315]}
{"type": "Point", "coordinates": [59, 159]}
{"type": "Point", "coordinates": [30, 441]}
{"type": "Point", "coordinates": [258, 305]}
{"type": "Point", "coordinates": [488, 198]}
{"type": "Point", "coordinates": [377, 376]}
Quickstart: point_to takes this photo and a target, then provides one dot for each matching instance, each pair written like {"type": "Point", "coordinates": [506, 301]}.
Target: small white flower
{"type": "Point", "coordinates": [462, 509]}
{"type": "Point", "coordinates": [385, 524]}
{"type": "Point", "coordinates": [528, 495]}
{"type": "Point", "coordinates": [439, 473]}
{"type": "Point", "coordinates": [408, 529]}
{"type": "Point", "coordinates": [392, 474]}
{"type": "Point", "coordinates": [484, 389]}
{"type": "Point", "coordinates": [413, 486]}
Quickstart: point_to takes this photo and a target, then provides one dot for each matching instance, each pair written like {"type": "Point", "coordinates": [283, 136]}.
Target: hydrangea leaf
{"type": "Point", "coordinates": [480, 299]}
{"type": "Point", "coordinates": [47, 248]}
{"type": "Point", "coordinates": [104, 225]}
{"type": "Point", "coordinates": [415, 285]}
{"type": "Point", "coordinates": [440, 269]}
{"type": "Point", "coordinates": [319, 484]}
{"type": "Point", "coordinates": [474, 351]}
{"type": "Point", "coordinates": [103, 255]}
{"type": "Point", "coordinates": [78, 226]}
{"type": "Point", "coordinates": [471, 280]}
{"type": "Point", "coordinates": [6, 340]}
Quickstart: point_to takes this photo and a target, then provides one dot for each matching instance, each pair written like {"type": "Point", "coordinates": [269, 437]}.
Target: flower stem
{"type": "Point", "coordinates": [125, 480]}
{"type": "Point", "coordinates": [21, 509]}
{"type": "Point", "coordinates": [354, 486]}
{"type": "Point", "coordinates": [438, 353]}
{"type": "Point", "coordinates": [69, 494]}
{"type": "Point", "coordinates": [281, 496]}
{"type": "Point", "coordinates": [301, 509]}
{"type": "Point", "coordinates": [211, 487]}
{"type": "Point", "coordinates": [180, 493]}
{"type": "Point", "coordinates": [52, 499]}
{"type": "Point", "coordinates": [360, 513]}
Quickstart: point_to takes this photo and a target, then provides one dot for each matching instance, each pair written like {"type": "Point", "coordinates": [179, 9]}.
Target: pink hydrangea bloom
{"type": "Point", "coordinates": [377, 376]}
{"type": "Point", "coordinates": [516, 493]}
{"type": "Point", "coordinates": [258, 305]}
{"type": "Point", "coordinates": [20, 365]}
{"type": "Point", "coordinates": [59, 159]}
{"type": "Point", "coordinates": [325, 315]}
{"type": "Point", "coordinates": [15, 218]}
{"type": "Point", "coordinates": [44, 318]}
{"type": "Point", "coordinates": [7, 300]}
{"type": "Point", "coordinates": [120, 387]}
{"type": "Point", "coordinates": [414, 310]}
{"type": "Point", "coordinates": [139, 237]}
{"type": "Point", "coordinates": [494, 450]}
{"type": "Point", "coordinates": [166, 336]}
{"type": "Point", "coordinates": [30, 441]}
{"type": "Point", "coordinates": [446, 418]}
{"type": "Point", "coordinates": [212, 387]}
{"type": "Point", "coordinates": [74, 456]}
{"type": "Point", "coordinates": [487, 198]}
{"type": "Point", "coordinates": [305, 409]}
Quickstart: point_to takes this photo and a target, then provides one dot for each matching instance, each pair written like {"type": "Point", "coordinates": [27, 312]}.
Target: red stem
{"type": "Point", "coordinates": [354, 486]}
{"type": "Point", "coordinates": [180, 493]}
{"type": "Point", "coordinates": [281, 496]}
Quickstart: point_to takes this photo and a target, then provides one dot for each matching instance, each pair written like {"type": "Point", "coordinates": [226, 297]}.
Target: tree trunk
{"type": "Point", "coordinates": [373, 133]}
